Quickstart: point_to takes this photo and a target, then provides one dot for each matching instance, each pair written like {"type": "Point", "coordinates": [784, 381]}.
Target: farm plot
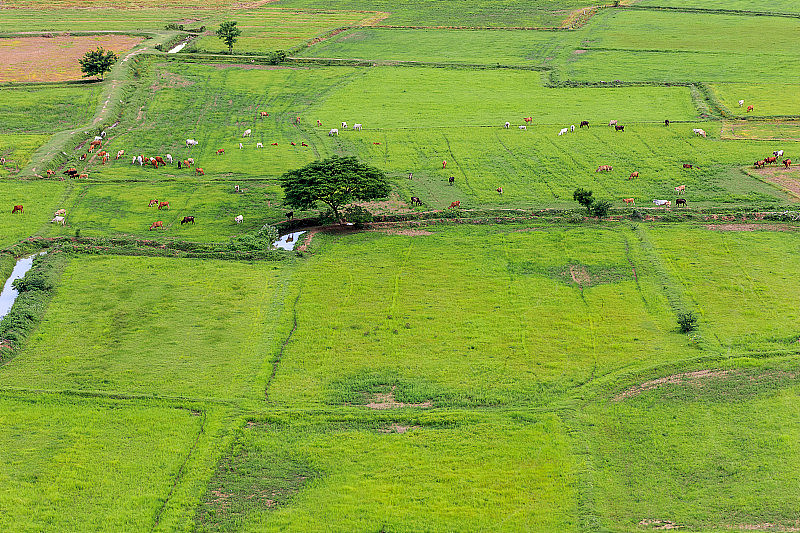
{"type": "Point", "coordinates": [779, 131]}
{"type": "Point", "coordinates": [427, 472]}
{"type": "Point", "coordinates": [39, 200]}
{"type": "Point", "coordinates": [46, 110]}
{"type": "Point", "coordinates": [472, 316]}
{"type": "Point", "coordinates": [742, 285]}
{"type": "Point", "coordinates": [48, 18]}
{"type": "Point", "coordinates": [714, 449]}
{"type": "Point", "coordinates": [89, 464]}
{"type": "Point", "coordinates": [54, 58]}
{"type": "Point", "coordinates": [766, 99]}
{"type": "Point", "coordinates": [123, 209]}
{"type": "Point", "coordinates": [746, 6]}
{"type": "Point", "coordinates": [17, 150]}
{"type": "Point", "coordinates": [527, 48]}
{"type": "Point", "coordinates": [170, 327]}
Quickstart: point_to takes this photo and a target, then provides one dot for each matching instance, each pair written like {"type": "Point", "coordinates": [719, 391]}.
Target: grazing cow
{"type": "Point", "coordinates": [787, 163]}
{"type": "Point", "coordinates": [236, 188]}
{"type": "Point", "coordinates": [157, 224]}
{"type": "Point", "coordinates": [276, 144]}
{"type": "Point", "coordinates": [680, 189]}
{"type": "Point", "coordinates": [102, 153]}
{"type": "Point", "coordinates": [687, 165]}
{"type": "Point", "coordinates": [154, 162]}
{"type": "Point", "coordinates": [415, 201]}
{"type": "Point", "coordinates": [200, 171]}
{"type": "Point", "coordinates": [221, 151]}
{"type": "Point", "coordinates": [259, 145]}
{"type": "Point", "coordinates": [303, 144]}
{"type": "Point", "coordinates": [191, 142]}
{"type": "Point", "coordinates": [528, 119]}
{"type": "Point", "coordinates": [778, 153]}
{"type": "Point", "coordinates": [619, 128]}
{"type": "Point", "coordinates": [634, 174]}
{"type": "Point", "coordinates": [604, 168]}
{"type": "Point", "coordinates": [411, 175]}
{"type": "Point", "coordinates": [159, 160]}
{"type": "Point", "coordinates": [297, 120]}
{"type": "Point", "coordinates": [771, 159]}
{"type": "Point", "coordinates": [264, 114]}
{"type": "Point", "coordinates": [98, 138]}
{"type": "Point", "coordinates": [444, 164]}
{"type": "Point", "coordinates": [162, 205]}
{"type": "Point", "coordinates": [90, 150]}
{"type": "Point", "coordinates": [451, 180]}
{"type": "Point", "coordinates": [680, 201]}
{"type": "Point", "coordinates": [120, 153]}
{"type": "Point", "coordinates": [750, 108]}
{"type": "Point", "coordinates": [523, 127]}
{"type": "Point", "coordinates": [103, 133]}
{"type": "Point", "coordinates": [83, 157]}
{"type": "Point", "coordinates": [499, 190]}
{"type": "Point", "coordinates": [629, 201]}
{"type": "Point", "coordinates": [17, 209]}
{"type": "Point", "coordinates": [152, 203]}
{"type": "Point", "coordinates": [376, 143]}
{"type": "Point", "coordinates": [96, 143]}
{"type": "Point", "coordinates": [760, 164]}
{"type": "Point", "coordinates": [358, 127]}
{"type": "Point", "coordinates": [666, 122]}
{"type": "Point", "coordinates": [168, 157]}
{"type": "Point", "coordinates": [344, 125]}
{"type": "Point", "coordinates": [455, 204]}
{"type": "Point", "coordinates": [334, 131]}
{"type": "Point", "coordinates": [133, 160]}
{"type": "Point", "coordinates": [191, 161]}
{"type": "Point", "coordinates": [563, 131]}
{"type": "Point", "coordinates": [105, 159]}
{"type": "Point", "coordinates": [185, 163]}
{"type": "Point", "coordinates": [240, 146]}
{"type": "Point", "coordinates": [319, 122]}
{"type": "Point", "coordinates": [247, 133]}
{"type": "Point", "coordinates": [698, 131]}
{"type": "Point", "coordinates": [238, 219]}
{"type": "Point", "coordinates": [290, 215]}
{"type": "Point", "coordinates": [50, 172]}
{"type": "Point", "coordinates": [187, 220]}
{"type": "Point", "coordinates": [741, 103]}
{"type": "Point", "coordinates": [60, 212]}
{"type": "Point", "coordinates": [507, 125]}
{"type": "Point", "coordinates": [71, 172]}
{"type": "Point", "coordinates": [83, 176]}
{"type": "Point", "coordinates": [58, 220]}
{"type": "Point", "coordinates": [293, 143]}
{"type": "Point", "coordinates": [572, 128]}
{"type": "Point", "coordinates": [584, 123]}
{"type": "Point", "coordinates": [661, 202]}
{"type": "Point", "coordinates": [612, 122]}
{"type": "Point", "coordinates": [140, 160]}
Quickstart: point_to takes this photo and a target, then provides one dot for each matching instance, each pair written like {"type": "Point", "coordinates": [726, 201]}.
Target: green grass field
{"type": "Point", "coordinates": [47, 110]}
{"type": "Point", "coordinates": [766, 99]}
{"type": "Point", "coordinates": [39, 200]}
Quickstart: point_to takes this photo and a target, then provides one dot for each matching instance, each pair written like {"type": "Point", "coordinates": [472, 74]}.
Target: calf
{"type": "Point", "coordinates": [741, 103]}
{"type": "Point", "coordinates": [83, 157]}
{"type": "Point", "coordinates": [455, 204]}
{"type": "Point", "coordinates": [168, 157]}
{"type": "Point", "coordinates": [187, 220]}
{"type": "Point", "coordinates": [415, 201]}
{"type": "Point", "coordinates": [83, 176]}
{"type": "Point", "coordinates": [58, 220]}
{"type": "Point", "coordinates": [572, 128]}
{"type": "Point", "coordinates": [238, 219]}
{"type": "Point", "coordinates": [157, 224]}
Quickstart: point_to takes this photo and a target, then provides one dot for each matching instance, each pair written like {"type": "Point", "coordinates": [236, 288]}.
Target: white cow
{"type": "Point", "coordinates": [191, 161]}
{"type": "Point", "coordinates": [357, 127]}
{"type": "Point", "coordinates": [563, 131]}
{"type": "Point", "coordinates": [120, 153]}
{"type": "Point", "coordinates": [698, 131]}
{"type": "Point", "coordinates": [572, 128]}
{"type": "Point", "coordinates": [133, 160]}
{"type": "Point", "coordinates": [139, 160]}
{"type": "Point", "coordinates": [98, 138]}
{"type": "Point", "coordinates": [259, 145]}
{"type": "Point", "coordinates": [523, 127]}
{"type": "Point", "coordinates": [612, 122]}
{"type": "Point", "coordinates": [191, 142]}
{"type": "Point", "coordinates": [778, 153]}
{"type": "Point", "coordinates": [240, 146]}
{"type": "Point", "coordinates": [58, 220]}
{"type": "Point", "coordinates": [741, 103]}
{"type": "Point", "coordinates": [344, 125]}
{"type": "Point", "coordinates": [168, 157]}
{"type": "Point", "coordinates": [507, 125]}
{"type": "Point", "coordinates": [333, 132]}
{"type": "Point", "coordinates": [239, 219]}
{"type": "Point", "coordinates": [247, 133]}
{"type": "Point", "coordinates": [662, 202]}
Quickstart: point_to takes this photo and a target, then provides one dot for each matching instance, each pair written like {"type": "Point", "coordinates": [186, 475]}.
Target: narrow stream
{"type": "Point", "coordinates": [288, 241]}
{"type": "Point", "coordinates": [9, 293]}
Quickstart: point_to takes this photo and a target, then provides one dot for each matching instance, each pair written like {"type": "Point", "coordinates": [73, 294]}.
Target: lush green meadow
{"type": "Point", "coordinates": [47, 109]}
{"type": "Point", "coordinates": [766, 99]}
{"type": "Point", "coordinates": [38, 198]}
{"type": "Point", "coordinates": [17, 150]}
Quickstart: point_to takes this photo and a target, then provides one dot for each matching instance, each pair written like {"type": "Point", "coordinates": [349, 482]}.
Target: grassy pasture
{"type": "Point", "coordinates": [767, 99]}
{"type": "Point", "coordinates": [17, 149]}
{"type": "Point", "coordinates": [46, 110]}
{"type": "Point", "coordinates": [775, 6]}
{"type": "Point", "coordinates": [778, 131]}
{"type": "Point", "coordinates": [490, 472]}
{"type": "Point", "coordinates": [109, 18]}
{"type": "Point", "coordinates": [379, 311]}
{"type": "Point", "coordinates": [714, 453]}
{"type": "Point", "coordinates": [527, 48]}
{"type": "Point", "coordinates": [158, 326]}
{"type": "Point", "coordinates": [88, 465]}
{"type": "Point", "coordinates": [40, 199]}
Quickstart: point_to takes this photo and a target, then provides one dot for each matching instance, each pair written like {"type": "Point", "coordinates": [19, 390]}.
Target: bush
{"type": "Point", "coordinates": [600, 208]}
{"type": "Point", "coordinates": [263, 239]}
{"type": "Point", "coordinates": [687, 322]}
{"type": "Point", "coordinates": [358, 215]}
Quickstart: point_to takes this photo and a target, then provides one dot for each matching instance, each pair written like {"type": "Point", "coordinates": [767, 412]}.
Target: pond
{"type": "Point", "coordinates": [287, 242]}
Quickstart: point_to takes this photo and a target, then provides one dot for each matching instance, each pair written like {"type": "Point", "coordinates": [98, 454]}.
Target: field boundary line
{"type": "Point", "coordinates": [712, 11]}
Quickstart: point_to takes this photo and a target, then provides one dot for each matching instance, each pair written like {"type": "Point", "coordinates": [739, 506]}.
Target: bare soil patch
{"type": "Point", "coordinates": [786, 179]}
{"type": "Point", "coordinates": [387, 400]}
{"type": "Point", "coordinates": [749, 227]}
{"type": "Point", "coordinates": [658, 524]}
{"type": "Point", "coordinates": [579, 275]}
{"type": "Point", "coordinates": [695, 379]}
{"type": "Point", "coordinates": [395, 428]}
{"type": "Point", "coordinates": [54, 58]}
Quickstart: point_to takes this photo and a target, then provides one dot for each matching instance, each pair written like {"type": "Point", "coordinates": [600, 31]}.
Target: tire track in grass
{"type": "Point", "coordinates": [282, 349]}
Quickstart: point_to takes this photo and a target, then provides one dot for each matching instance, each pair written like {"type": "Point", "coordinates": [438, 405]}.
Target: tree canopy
{"type": "Point", "coordinates": [97, 62]}
{"type": "Point", "coordinates": [583, 197]}
{"type": "Point", "coordinates": [335, 181]}
{"type": "Point", "coordinates": [229, 33]}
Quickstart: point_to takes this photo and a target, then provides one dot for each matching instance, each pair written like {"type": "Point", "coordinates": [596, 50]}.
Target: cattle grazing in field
{"type": "Point", "coordinates": [60, 212]}
{"type": "Point", "coordinates": [247, 133]}
{"type": "Point", "coordinates": [750, 108]}
{"type": "Point", "coordinates": [698, 131]}
{"type": "Point", "coordinates": [528, 119]}
{"type": "Point", "coordinates": [162, 205]}
{"type": "Point", "coordinates": [290, 215]}
{"type": "Point", "coordinates": [455, 204]}
{"type": "Point", "coordinates": [499, 190]}
{"type": "Point", "coordinates": [168, 157]}
{"type": "Point", "coordinates": [102, 153]}
{"type": "Point", "coordinates": [572, 128]}
{"type": "Point", "coordinates": [444, 165]}
{"type": "Point", "coordinates": [634, 174]}
{"type": "Point", "coordinates": [334, 131]}
{"type": "Point", "coordinates": [17, 209]}
{"type": "Point", "coordinates": [200, 171]}
{"type": "Point", "coordinates": [523, 127]}
{"type": "Point", "coordinates": [687, 165]}
{"type": "Point", "coordinates": [90, 150]}
{"type": "Point", "coordinates": [663, 202]}
{"type": "Point", "coordinates": [415, 201]}
{"type": "Point", "coordinates": [778, 153]}
{"type": "Point", "coordinates": [120, 153]}
{"type": "Point", "coordinates": [105, 159]}
{"type": "Point", "coordinates": [619, 128]}
{"type": "Point", "coordinates": [259, 145]}
{"type": "Point", "coordinates": [221, 151]}
{"type": "Point", "coordinates": [787, 163]}
{"type": "Point", "coordinates": [185, 164]}
{"type": "Point", "coordinates": [741, 103]}
{"type": "Point", "coordinates": [276, 144]}
{"type": "Point", "coordinates": [319, 122]}
{"type": "Point", "coordinates": [604, 168]}
{"type": "Point", "coordinates": [238, 219]}
{"type": "Point", "coordinates": [344, 125]}
{"type": "Point", "coordinates": [264, 114]}
{"type": "Point", "coordinates": [584, 123]}
{"type": "Point", "coordinates": [303, 144]}
{"type": "Point", "coordinates": [357, 127]}
{"type": "Point", "coordinates": [680, 201]}
{"type": "Point", "coordinates": [58, 220]}
{"type": "Point", "coordinates": [187, 220]}
{"type": "Point", "coordinates": [83, 176]}
{"type": "Point", "coordinates": [507, 125]}
{"type": "Point", "coordinates": [71, 172]}
{"type": "Point", "coordinates": [563, 131]}
{"type": "Point", "coordinates": [411, 175]}
{"type": "Point", "coordinates": [451, 180]}
{"type": "Point", "coordinates": [240, 146]}
{"type": "Point", "coordinates": [760, 164]}
{"type": "Point", "coordinates": [153, 203]}
{"type": "Point", "coordinates": [140, 159]}
{"type": "Point", "coordinates": [666, 122]}
{"type": "Point", "coordinates": [154, 162]}
{"type": "Point", "coordinates": [96, 143]}
{"type": "Point", "coordinates": [680, 189]}
{"type": "Point", "coordinates": [612, 122]}
{"type": "Point", "coordinates": [50, 172]}
{"type": "Point", "coordinates": [629, 201]}
{"type": "Point", "coordinates": [190, 161]}
{"type": "Point", "coordinates": [376, 143]}
{"type": "Point", "coordinates": [83, 157]}
{"type": "Point", "coordinates": [293, 143]}
{"type": "Point", "coordinates": [191, 142]}
{"type": "Point", "coordinates": [236, 188]}
{"type": "Point", "coordinates": [772, 159]}
{"type": "Point", "coordinates": [159, 160]}
{"type": "Point", "coordinates": [157, 224]}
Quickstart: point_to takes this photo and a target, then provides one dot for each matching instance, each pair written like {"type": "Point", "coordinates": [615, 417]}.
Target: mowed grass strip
{"type": "Point", "coordinates": [88, 465]}
{"type": "Point", "coordinates": [166, 327]}
{"type": "Point", "coordinates": [426, 473]}
{"type": "Point", "coordinates": [472, 316]}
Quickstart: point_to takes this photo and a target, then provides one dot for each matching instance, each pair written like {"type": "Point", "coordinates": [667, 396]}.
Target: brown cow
{"type": "Point", "coordinates": [604, 168]}
{"type": "Point", "coordinates": [760, 164]}
{"type": "Point", "coordinates": [787, 163]}
{"type": "Point", "coordinates": [96, 143]}
{"type": "Point", "coordinates": [687, 165]}
{"type": "Point", "coordinates": [749, 108]}
{"type": "Point", "coordinates": [264, 114]}
{"type": "Point", "coordinates": [50, 172]}
{"type": "Point", "coordinates": [102, 153]}
{"type": "Point", "coordinates": [83, 176]}
{"type": "Point", "coordinates": [221, 151]}
{"type": "Point", "coordinates": [105, 159]}
{"type": "Point", "coordinates": [530, 119]}
{"type": "Point", "coordinates": [634, 174]}
{"type": "Point", "coordinates": [187, 220]}
{"type": "Point", "coordinates": [162, 205]}
{"type": "Point", "coordinates": [120, 153]}
{"type": "Point", "coordinates": [18, 209]}
{"type": "Point", "coordinates": [200, 171]}
{"type": "Point", "coordinates": [771, 159]}
{"type": "Point", "coordinates": [91, 149]}
{"type": "Point", "coordinates": [157, 224]}
{"type": "Point", "coordinates": [160, 160]}
{"type": "Point", "coordinates": [455, 204]}
{"type": "Point", "coordinates": [152, 203]}
{"type": "Point", "coordinates": [680, 189]}
{"type": "Point", "coordinates": [186, 163]}
{"type": "Point", "coordinates": [629, 201]}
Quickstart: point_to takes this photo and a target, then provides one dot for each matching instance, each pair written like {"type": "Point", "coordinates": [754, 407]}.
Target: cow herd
{"type": "Point", "coordinates": [773, 159]}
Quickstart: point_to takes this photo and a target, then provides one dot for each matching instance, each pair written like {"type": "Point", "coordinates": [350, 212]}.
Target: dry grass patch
{"type": "Point", "coordinates": [386, 400]}
{"type": "Point", "coordinates": [749, 227]}
{"type": "Point", "coordinates": [696, 379]}
{"type": "Point", "coordinates": [787, 179]}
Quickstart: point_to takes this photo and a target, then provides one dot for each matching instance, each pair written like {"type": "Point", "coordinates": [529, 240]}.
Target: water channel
{"type": "Point", "coordinates": [9, 293]}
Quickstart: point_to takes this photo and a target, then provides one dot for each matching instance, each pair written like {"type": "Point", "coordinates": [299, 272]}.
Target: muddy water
{"type": "Point", "coordinates": [287, 242]}
{"type": "Point", "coordinates": [9, 293]}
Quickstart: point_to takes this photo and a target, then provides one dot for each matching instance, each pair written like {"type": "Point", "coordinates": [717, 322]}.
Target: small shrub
{"type": "Point", "coordinates": [358, 215]}
{"type": "Point", "coordinates": [600, 208]}
{"type": "Point", "coordinates": [687, 322]}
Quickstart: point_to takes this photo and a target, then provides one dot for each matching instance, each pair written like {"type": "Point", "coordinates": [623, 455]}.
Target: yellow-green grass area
{"type": "Point", "coordinates": [17, 150]}
{"type": "Point", "coordinates": [157, 326]}
{"type": "Point", "coordinates": [266, 29]}
{"type": "Point", "coordinates": [774, 6]}
{"type": "Point", "coordinates": [114, 209]}
{"type": "Point", "coordinates": [39, 199]}
{"type": "Point", "coordinates": [772, 130]}
{"type": "Point", "coordinates": [88, 465]}
{"type": "Point", "coordinates": [767, 99]}
{"type": "Point", "coordinates": [46, 109]}
{"type": "Point", "coordinates": [507, 47]}
{"type": "Point", "coordinates": [741, 280]}
{"type": "Point", "coordinates": [401, 472]}
{"type": "Point", "coordinates": [473, 316]}
{"type": "Point", "coordinates": [711, 450]}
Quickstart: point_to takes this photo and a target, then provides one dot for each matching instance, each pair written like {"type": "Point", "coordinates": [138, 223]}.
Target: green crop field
{"type": "Point", "coordinates": [513, 363]}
